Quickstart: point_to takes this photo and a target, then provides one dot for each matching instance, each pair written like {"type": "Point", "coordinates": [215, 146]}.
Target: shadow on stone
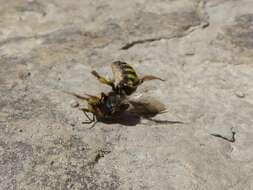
{"type": "Point", "coordinates": [137, 112]}
{"type": "Point", "coordinates": [132, 119]}
{"type": "Point", "coordinates": [126, 118]}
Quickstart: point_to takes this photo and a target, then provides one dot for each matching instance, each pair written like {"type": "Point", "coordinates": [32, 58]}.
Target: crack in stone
{"type": "Point", "coordinates": [204, 24]}
{"type": "Point", "coordinates": [133, 43]}
{"type": "Point", "coordinates": [225, 138]}
{"type": "Point", "coordinates": [187, 31]}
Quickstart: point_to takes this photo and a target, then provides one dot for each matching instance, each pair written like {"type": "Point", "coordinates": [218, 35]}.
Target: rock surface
{"type": "Point", "coordinates": [204, 50]}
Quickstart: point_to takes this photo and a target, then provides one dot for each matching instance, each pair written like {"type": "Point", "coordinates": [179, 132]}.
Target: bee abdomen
{"type": "Point", "coordinates": [128, 74]}
{"type": "Point", "coordinates": [126, 77]}
{"type": "Point", "coordinates": [124, 67]}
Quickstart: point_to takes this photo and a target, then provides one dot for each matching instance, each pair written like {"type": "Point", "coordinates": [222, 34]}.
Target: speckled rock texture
{"type": "Point", "coordinates": [202, 48]}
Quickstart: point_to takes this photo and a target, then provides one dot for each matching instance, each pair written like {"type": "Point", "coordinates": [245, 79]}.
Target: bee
{"type": "Point", "coordinates": [125, 80]}
{"type": "Point", "coordinates": [103, 107]}
{"type": "Point", "coordinates": [111, 105]}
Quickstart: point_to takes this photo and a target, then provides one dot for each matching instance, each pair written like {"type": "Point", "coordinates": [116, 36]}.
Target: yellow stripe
{"type": "Point", "coordinates": [130, 76]}
{"type": "Point", "coordinates": [130, 83]}
{"type": "Point", "coordinates": [129, 69]}
{"type": "Point", "coordinates": [134, 79]}
{"type": "Point", "coordinates": [93, 100]}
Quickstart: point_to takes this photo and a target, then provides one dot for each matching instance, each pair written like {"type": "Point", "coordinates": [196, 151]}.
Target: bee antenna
{"type": "Point", "coordinates": [80, 97]}
{"type": "Point", "coordinates": [95, 73]}
{"type": "Point", "coordinates": [149, 77]}
{"type": "Point", "coordinates": [77, 95]}
{"type": "Point", "coordinates": [91, 96]}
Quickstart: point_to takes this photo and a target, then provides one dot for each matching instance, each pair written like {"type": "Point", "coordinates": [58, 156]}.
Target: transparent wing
{"type": "Point", "coordinates": [117, 72]}
{"type": "Point", "coordinates": [146, 106]}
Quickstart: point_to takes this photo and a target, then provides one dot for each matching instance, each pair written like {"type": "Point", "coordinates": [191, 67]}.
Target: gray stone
{"type": "Point", "coordinates": [202, 48]}
{"type": "Point", "coordinates": [240, 94]}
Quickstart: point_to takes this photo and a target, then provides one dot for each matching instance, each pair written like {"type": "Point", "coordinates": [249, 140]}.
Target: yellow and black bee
{"type": "Point", "coordinates": [108, 107]}
{"type": "Point", "coordinates": [125, 80]}
{"type": "Point", "coordinates": [111, 105]}
{"type": "Point", "coordinates": [105, 106]}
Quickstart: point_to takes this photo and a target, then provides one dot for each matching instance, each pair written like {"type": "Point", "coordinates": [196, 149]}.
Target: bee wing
{"type": "Point", "coordinates": [117, 72]}
{"type": "Point", "coordinates": [122, 70]}
{"type": "Point", "coordinates": [146, 106]}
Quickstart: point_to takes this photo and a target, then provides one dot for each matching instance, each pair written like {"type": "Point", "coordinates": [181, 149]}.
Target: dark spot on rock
{"type": "Point", "coordinates": [100, 154]}
{"type": "Point", "coordinates": [32, 6]}
{"type": "Point", "coordinates": [24, 75]}
{"type": "Point", "coordinates": [241, 34]}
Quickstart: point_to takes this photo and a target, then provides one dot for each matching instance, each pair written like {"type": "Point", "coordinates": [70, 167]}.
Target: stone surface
{"type": "Point", "coordinates": [204, 50]}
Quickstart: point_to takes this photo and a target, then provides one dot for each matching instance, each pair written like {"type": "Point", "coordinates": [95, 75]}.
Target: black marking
{"type": "Point", "coordinates": [127, 78]}
{"type": "Point", "coordinates": [128, 90]}
{"type": "Point", "coordinates": [119, 63]}
{"type": "Point", "coordinates": [232, 140]}
{"type": "Point", "coordinates": [129, 73]}
{"type": "Point", "coordinates": [122, 65]}
{"type": "Point", "coordinates": [126, 66]}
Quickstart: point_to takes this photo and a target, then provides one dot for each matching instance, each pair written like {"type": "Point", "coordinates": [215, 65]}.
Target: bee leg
{"type": "Point", "coordinates": [94, 122]}
{"type": "Point", "coordinates": [89, 119]}
{"type": "Point", "coordinates": [103, 80]}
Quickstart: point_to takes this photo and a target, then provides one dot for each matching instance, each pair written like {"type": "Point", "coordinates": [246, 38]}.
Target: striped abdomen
{"type": "Point", "coordinates": [126, 79]}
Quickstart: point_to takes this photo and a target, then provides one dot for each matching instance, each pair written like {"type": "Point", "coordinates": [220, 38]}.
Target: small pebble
{"type": "Point", "coordinates": [240, 94]}
{"type": "Point", "coordinates": [74, 104]}
{"type": "Point", "coordinates": [24, 75]}
{"type": "Point", "coordinates": [205, 24]}
{"type": "Point", "coordinates": [189, 53]}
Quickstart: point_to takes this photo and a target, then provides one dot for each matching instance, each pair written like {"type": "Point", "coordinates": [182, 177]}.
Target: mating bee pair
{"type": "Point", "coordinates": [115, 102]}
